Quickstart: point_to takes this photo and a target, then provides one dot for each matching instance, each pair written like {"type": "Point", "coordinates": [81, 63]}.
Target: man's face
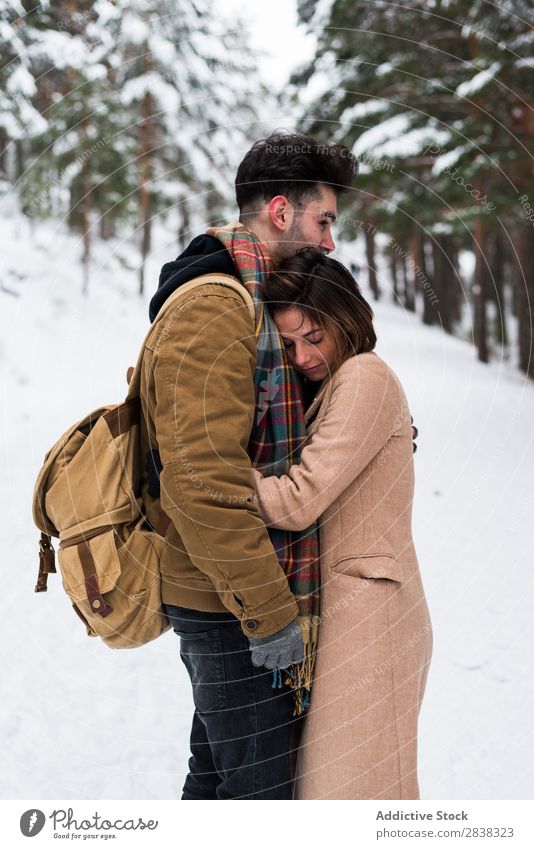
{"type": "Point", "coordinates": [310, 226]}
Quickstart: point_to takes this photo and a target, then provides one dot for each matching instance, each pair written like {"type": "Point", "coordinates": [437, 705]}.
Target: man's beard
{"type": "Point", "coordinates": [293, 241]}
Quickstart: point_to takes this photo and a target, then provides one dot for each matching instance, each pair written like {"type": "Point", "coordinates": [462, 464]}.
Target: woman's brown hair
{"type": "Point", "coordinates": [327, 293]}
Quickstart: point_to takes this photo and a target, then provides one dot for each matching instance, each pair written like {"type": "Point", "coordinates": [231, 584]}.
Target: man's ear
{"type": "Point", "coordinates": [280, 212]}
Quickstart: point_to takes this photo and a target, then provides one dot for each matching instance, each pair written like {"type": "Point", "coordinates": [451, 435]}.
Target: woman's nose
{"type": "Point", "coordinates": [302, 355]}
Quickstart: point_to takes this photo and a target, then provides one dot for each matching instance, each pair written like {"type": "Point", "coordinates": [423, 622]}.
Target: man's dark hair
{"type": "Point", "coordinates": [291, 164]}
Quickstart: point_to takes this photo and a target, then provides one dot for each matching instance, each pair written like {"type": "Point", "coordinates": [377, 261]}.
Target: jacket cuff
{"type": "Point", "coordinates": [264, 619]}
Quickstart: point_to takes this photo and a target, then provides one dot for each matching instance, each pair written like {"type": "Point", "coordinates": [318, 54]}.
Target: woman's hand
{"type": "Point", "coordinates": [257, 476]}
{"type": "Point", "coordinates": [415, 434]}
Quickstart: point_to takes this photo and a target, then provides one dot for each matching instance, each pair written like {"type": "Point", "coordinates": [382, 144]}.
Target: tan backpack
{"type": "Point", "coordinates": [88, 494]}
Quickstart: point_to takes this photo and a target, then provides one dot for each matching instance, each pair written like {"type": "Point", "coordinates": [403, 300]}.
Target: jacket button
{"type": "Point", "coordinates": [251, 624]}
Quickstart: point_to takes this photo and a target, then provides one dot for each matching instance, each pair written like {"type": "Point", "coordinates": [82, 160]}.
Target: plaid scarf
{"type": "Point", "coordinates": [275, 444]}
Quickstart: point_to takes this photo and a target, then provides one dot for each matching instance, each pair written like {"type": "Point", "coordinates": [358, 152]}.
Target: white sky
{"type": "Point", "coordinates": [274, 31]}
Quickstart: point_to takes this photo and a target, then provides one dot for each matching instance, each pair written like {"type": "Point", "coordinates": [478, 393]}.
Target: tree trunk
{"type": "Point", "coordinates": [480, 289]}
{"type": "Point", "coordinates": [370, 250]}
{"type": "Point", "coordinates": [420, 274]}
{"type": "Point", "coordinates": [445, 281]}
{"type": "Point", "coordinates": [498, 290]}
{"type": "Point", "coordinates": [516, 286]}
{"type": "Point", "coordinates": [409, 287]}
{"type": "Point", "coordinates": [524, 245]}
{"type": "Point", "coordinates": [457, 301]}
{"type": "Point", "coordinates": [106, 227]}
{"type": "Point", "coordinates": [19, 160]}
{"type": "Point", "coordinates": [393, 270]}
{"type": "Point", "coordinates": [3, 148]}
{"type": "Point", "coordinates": [147, 143]}
{"type": "Point", "coordinates": [144, 195]}
{"type": "Point", "coordinates": [184, 224]}
{"type": "Point", "coordinates": [86, 236]}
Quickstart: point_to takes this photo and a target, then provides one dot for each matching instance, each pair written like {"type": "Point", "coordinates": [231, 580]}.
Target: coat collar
{"type": "Point", "coordinates": [324, 393]}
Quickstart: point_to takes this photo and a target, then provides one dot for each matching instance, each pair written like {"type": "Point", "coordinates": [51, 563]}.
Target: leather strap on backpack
{"type": "Point", "coordinates": [46, 563]}
{"type": "Point", "coordinates": [94, 596]}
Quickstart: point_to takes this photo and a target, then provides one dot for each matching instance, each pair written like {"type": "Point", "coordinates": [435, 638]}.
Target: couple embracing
{"type": "Point", "coordinates": [280, 446]}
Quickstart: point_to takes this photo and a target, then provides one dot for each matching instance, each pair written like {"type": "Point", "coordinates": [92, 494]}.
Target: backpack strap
{"type": "Point", "coordinates": [133, 375]}
{"type": "Point", "coordinates": [46, 563]}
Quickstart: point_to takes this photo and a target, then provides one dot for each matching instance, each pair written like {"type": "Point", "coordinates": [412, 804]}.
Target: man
{"type": "Point", "coordinates": [219, 396]}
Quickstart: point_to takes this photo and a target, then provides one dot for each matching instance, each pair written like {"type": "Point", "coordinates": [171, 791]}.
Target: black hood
{"type": "Point", "coordinates": [204, 255]}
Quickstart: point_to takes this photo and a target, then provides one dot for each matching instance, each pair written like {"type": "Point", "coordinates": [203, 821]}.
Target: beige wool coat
{"type": "Point", "coordinates": [356, 474]}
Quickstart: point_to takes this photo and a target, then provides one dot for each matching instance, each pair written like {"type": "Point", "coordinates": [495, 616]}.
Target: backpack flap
{"type": "Point", "coordinates": [88, 482]}
{"type": "Point", "coordinates": [56, 459]}
{"type": "Point", "coordinates": [90, 478]}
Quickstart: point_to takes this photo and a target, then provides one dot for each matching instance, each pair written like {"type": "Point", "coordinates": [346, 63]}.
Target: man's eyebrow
{"type": "Point", "coordinates": [331, 215]}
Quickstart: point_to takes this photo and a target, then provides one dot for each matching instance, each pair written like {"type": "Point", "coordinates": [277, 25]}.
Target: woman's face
{"type": "Point", "coordinates": [310, 350]}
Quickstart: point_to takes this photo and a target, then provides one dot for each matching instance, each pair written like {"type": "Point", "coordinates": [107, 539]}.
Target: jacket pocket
{"type": "Point", "coordinates": [371, 566]}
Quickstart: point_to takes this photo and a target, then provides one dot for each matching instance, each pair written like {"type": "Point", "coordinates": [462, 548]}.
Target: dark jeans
{"type": "Point", "coordinates": [243, 729]}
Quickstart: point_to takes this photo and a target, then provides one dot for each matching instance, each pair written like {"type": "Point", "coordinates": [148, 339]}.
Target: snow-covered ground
{"type": "Point", "coordinates": [81, 721]}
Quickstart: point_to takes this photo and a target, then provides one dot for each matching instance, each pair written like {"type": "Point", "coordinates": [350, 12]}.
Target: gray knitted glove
{"type": "Point", "coordinates": [278, 650]}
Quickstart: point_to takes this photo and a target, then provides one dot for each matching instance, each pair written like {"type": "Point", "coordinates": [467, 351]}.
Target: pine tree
{"type": "Point", "coordinates": [140, 109]}
{"type": "Point", "coordinates": [181, 79]}
{"type": "Point", "coordinates": [450, 114]}
{"type": "Point", "coordinates": [19, 120]}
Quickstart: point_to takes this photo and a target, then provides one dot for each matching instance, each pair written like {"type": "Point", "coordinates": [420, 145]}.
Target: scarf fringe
{"type": "Point", "coordinates": [299, 676]}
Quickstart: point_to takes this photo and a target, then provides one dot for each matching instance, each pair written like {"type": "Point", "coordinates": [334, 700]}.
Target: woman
{"type": "Point", "coordinates": [355, 473]}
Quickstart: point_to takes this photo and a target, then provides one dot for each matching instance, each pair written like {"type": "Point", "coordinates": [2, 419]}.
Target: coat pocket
{"type": "Point", "coordinates": [371, 566]}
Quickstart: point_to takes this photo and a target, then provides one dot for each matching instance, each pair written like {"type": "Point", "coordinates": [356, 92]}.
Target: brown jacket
{"type": "Point", "coordinates": [198, 405]}
{"type": "Point", "coordinates": [375, 636]}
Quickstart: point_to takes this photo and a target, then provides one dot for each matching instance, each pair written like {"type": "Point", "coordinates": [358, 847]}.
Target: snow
{"type": "Point", "coordinates": [392, 127]}
{"type": "Point", "coordinates": [162, 50]}
{"type": "Point", "coordinates": [105, 11]}
{"type": "Point", "coordinates": [81, 721]}
{"type": "Point", "coordinates": [322, 13]}
{"type": "Point", "coordinates": [371, 106]}
{"type": "Point", "coordinates": [96, 72]}
{"type": "Point", "coordinates": [133, 29]}
{"type": "Point", "coordinates": [151, 83]}
{"type": "Point", "coordinates": [393, 137]}
{"type": "Point", "coordinates": [61, 49]}
{"type": "Point", "coordinates": [476, 83]}
{"type": "Point", "coordinates": [383, 69]}
{"type": "Point", "coordinates": [23, 121]}
{"type": "Point", "coordinates": [449, 158]}
{"type": "Point", "coordinates": [21, 82]}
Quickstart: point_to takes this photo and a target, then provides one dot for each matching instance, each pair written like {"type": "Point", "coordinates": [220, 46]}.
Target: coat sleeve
{"type": "Point", "coordinates": [362, 414]}
{"type": "Point", "coordinates": [204, 360]}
